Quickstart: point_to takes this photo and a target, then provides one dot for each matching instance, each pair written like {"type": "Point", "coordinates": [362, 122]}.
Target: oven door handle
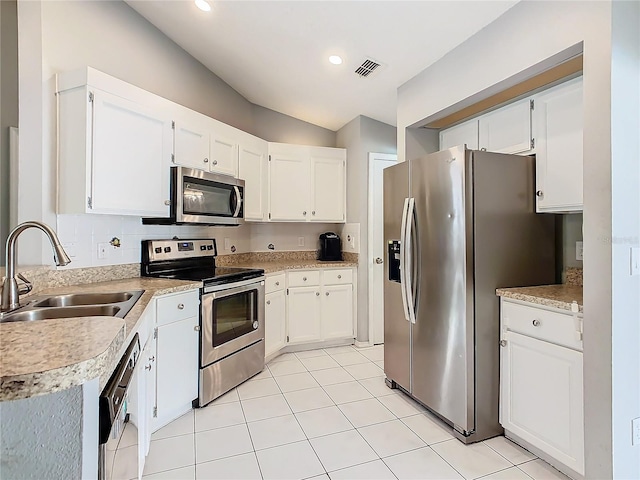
{"type": "Point", "coordinates": [224, 290]}
{"type": "Point", "coordinates": [238, 201]}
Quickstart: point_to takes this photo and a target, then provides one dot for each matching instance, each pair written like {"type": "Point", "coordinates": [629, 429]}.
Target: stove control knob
{"type": "Point", "coordinates": [209, 247]}
{"type": "Point", "coordinates": [167, 249]}
{"type": "Point", "coordinates": [158, 249]}
{"type": "Point", "coordinates": [255, 325]}
{"type": "Point", "coordinates": [203, 247]}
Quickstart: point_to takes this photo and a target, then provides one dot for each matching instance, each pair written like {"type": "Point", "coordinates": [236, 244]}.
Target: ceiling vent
{"type": "Point", "coordinates": [367, 68]}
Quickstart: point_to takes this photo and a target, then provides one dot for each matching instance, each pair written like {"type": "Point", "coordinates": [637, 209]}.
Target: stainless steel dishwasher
{"type": "Point", "coordinates": [113, 418]}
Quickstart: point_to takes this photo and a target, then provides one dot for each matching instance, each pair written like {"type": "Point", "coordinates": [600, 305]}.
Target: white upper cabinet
{"type": "Point", "coordinates": [252, 168]}
{"type": "Point", "coordinates": [558, 119]}
{"type": "Point", "coordinates": [191, 145]}
{"type": "Point", "coordinates": [224, 155]}
{"type": "Point", "coordinates": [114, 155]}
{"type": "Point", "coordinates": [508, 129]}
{"type": "Point", "coordinates": [307, 184]}
{"type": "Point", "coordinates": [328, 184]}
{"type": "Point", "coordinates": [289, 182]}
{"type": "Point", "coordinates": [464, 134]}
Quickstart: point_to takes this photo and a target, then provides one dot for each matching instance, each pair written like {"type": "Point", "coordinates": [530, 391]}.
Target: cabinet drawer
{"type": "Point", "coordinates": [558, 328]}
{"type": "Point", "coordinates": [172, 308]}
{"type": "Point", "coordinates": [303, 279]}
{"type": "Point", "coordinates": [274, 283]}
{"type": "Point", "coordinates": [337, 277]}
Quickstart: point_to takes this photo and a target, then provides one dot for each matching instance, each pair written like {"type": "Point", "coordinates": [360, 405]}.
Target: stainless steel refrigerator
{"type": "Point", "coordinates": [457, 225]}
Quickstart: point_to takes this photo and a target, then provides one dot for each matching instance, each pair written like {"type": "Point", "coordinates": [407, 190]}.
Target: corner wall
{"type": "Point", "coordinates": [360, 137]}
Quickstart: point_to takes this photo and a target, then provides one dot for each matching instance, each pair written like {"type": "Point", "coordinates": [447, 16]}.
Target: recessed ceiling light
{"type": "Point", "coordinates": [203, 5]}
{"type": "Point", "coordinates": [335, 59]}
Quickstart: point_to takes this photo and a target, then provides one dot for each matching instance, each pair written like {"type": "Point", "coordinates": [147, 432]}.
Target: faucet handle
{"type": "Point", "coordinates": [26, 287]}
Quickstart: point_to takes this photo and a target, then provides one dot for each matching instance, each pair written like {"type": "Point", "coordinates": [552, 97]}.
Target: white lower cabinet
{"type": "Point", "coordinates": [541, 386]}
{"type": "Point", "coordinates": [275, 333]}
{"type": "Point", "coordinates": [320, 305]}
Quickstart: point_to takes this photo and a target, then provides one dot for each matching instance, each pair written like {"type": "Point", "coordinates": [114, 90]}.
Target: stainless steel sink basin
{"type": "Point", "coordinates": [62, 312]}
{"type": "Point", "coordinates": [84, 299]}
{"type": "Point", "coordinates": [115, 304]}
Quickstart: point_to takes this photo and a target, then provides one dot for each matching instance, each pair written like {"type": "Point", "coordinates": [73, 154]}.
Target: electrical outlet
{"type": "Point", "coordinates": [301, 241]}
{"type": "Point", "coordinates": [635, 427]}
{"type": "Point", "coordinates": [103, 249]}
{"type": "Point", "coordinates": [227, 244]}
{"type": "Point", "coordinates": [579, 251]}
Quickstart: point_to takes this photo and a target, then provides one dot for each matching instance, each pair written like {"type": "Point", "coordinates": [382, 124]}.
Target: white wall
{"type": "Point", "coordinates": [66, 35]}
{"type": "Point", "coordinates": [516, 45]}
{"type": "Point", "coordinates": [361, 136]}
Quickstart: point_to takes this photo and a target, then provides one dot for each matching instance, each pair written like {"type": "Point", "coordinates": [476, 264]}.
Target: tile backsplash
{"type": "Point", "coordinates": [83, 235]}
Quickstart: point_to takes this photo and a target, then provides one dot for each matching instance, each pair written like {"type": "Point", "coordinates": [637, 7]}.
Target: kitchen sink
{"type": "Point", "coordinates": [75, 305]}
{"type": "Point", "coordinates": [84, 299]}
{"type": "Point", "coordinates": [62, 312]}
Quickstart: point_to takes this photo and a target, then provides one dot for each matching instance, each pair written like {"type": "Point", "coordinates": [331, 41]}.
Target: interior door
{"type": "Point", "coordinates": [439, 336]}
{"type": "Point", "coordinates": [397, 331]}
{"type": "Point", "coordinates": [377, 268]}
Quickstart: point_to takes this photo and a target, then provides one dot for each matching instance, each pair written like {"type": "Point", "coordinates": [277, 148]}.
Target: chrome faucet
{"type": "Point", "coordinates": [10, 289]}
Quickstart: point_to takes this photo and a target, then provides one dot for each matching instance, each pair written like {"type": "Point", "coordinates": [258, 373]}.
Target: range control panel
{"type": "Point", "coordinates": [159, 250]}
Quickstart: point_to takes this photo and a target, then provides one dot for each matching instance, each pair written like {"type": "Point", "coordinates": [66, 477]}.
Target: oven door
{"type": "Point", "coordinates": [232, 319]}
{"type": "Point", "coordinates": [208, 198]}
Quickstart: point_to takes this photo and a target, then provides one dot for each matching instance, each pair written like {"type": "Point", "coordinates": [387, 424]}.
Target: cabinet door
{"type": "Point", "coordinates": [148, 359]}
{"type": "Point", "coordinates": [275, 335]}
{"type": "Point", "coordinates": [289, 182]}
{"type": "Point", "coordinates": [131, 153]}
{"type": "Point", "coordinates": [191, 144]}
{"type": "Point", "coordinates": [558, 122]}
{"type": "Point", "coordinates": [328, 185]}
{"type": "Point", "coordinates": [177, 371]}
{"type": "Point", "coordinates": [337, 311]}
{"type": "Point", "coordinates": [252, 169]}
{"type": "Point", "coordinates": [541, 397]}
{"type": "Point", "coordinates": [464, 134]}
{"type": "Point", "coordinates": [303, 314]}
{"type": "Point", "coordinates": [508, 129]}
{"type": "Point", "coordinates": [224, 156]}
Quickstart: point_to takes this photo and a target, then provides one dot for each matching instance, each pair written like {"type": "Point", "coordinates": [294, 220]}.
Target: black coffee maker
{"type": "Point", "coordinates": [330, 247]}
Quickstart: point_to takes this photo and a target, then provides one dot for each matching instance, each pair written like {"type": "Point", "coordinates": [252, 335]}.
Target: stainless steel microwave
{"type": "Point", "coordinates": [202, 198]}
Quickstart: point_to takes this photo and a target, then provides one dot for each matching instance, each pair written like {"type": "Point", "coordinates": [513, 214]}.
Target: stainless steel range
{"type": "Point", "coordinates": [231, 311]}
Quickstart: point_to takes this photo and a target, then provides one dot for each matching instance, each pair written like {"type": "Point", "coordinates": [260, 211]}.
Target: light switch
{"type": "Point", "coordinates": [227, 244]}
{"type": "Point", "coordinates": [635, 260]}
{"type": "Point", "coordinates": [579, 251]}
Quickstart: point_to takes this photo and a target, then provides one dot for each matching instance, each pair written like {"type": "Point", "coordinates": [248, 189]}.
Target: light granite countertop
{"type": "Point", "coordinates": [283, 265]}
{"type": "Point", "coordinates": [47, 356]}
{"type": "Point", "coordinates": [556, 296]}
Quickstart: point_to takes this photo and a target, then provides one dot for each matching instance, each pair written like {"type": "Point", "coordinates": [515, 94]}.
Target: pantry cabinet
{"type": "Point", "coordinates": [541, 386]}
{"type": "Point", "coordinates": [306, 184]}
{"type": "Point", "coordinates": [464, 134]}
{"type": "Point", "coordinates": [558, 124]}
{"type": "Point", "coordinates": [252, 168]}
{"type": "Point", "coordinates": [107, 145]}
{"type": "Point", "coordinates": [507, 129]}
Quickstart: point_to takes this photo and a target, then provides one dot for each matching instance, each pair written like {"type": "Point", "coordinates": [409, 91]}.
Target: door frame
{"type": "Point", "coordinates": [373, 157]}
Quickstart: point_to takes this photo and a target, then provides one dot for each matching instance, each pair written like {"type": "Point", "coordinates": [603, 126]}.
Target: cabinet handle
{"type": "Point", "coordinates": [503, 343]}
{"type": "Point", "coordinates": [536, 323]}
{"type": "Point", "coordinates": [326, 293]}
{"type": "Point", "coordinates": [268, 302]}
{"type": "Point", "coordinates": [167, 202]}
{"type": "Point", "coordinates": [304, 213]}
{"type": "Point", "coordinates": [318, 294]}
{"type": "Point", "coordinates": [181, 306]}
{"type": "Point", "coordinates": [215, 162]}
{"type": "Point", "coordinates": [339, 277]}
{"type": "Point", "coordinates": [277, 284]}
{"type": "Point", "coordinates": [152, 359]}
{"type": "Point", "coordinates": [304, 279]}
{"type": "Point", "coordinates": [206, 160]}
{"type": "Point", "coordinates": [197, 328]}
{"type": "Point", "coordinates": [539, 194]}
{"type": "Point", "coordinates": [148, 367]}
{"type": "Point", "coordinates": [313, 212]}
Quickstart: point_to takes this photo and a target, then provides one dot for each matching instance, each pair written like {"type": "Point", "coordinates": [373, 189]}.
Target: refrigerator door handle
{"type": "Point", "coordinates": [403, 270]}
{"type": "Point", "coordinates": [409, 260]}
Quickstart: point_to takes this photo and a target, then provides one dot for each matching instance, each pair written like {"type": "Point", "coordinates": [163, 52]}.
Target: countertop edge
{"type": "Point", "coordinates": [537, 300]}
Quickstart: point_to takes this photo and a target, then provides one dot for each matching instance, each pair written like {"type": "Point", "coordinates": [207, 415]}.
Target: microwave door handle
{"type": "Point", "coordinates": [238, 201]}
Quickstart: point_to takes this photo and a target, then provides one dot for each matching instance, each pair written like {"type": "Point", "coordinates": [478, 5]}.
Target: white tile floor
{"type": "Point", "coordinates": [327, 414]}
